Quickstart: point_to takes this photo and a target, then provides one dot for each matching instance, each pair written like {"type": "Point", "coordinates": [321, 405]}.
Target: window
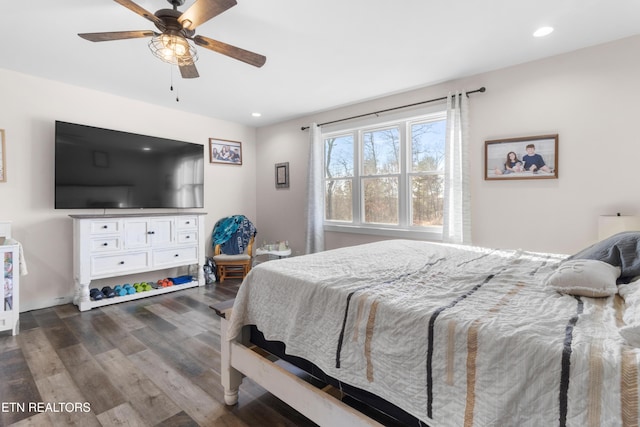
{"type": "Point", "coordinates": [386, 178]}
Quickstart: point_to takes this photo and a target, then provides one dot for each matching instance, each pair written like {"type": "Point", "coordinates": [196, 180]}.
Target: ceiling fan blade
{"type": "Point", "coordinates": [189, 71]}
{"type": "Point", "coordinates": [140, 11]}
{"type": "Point", "coordinates": [203, 10]}
{"type": "Point", "coordinates": [234, 52]}
{"type": "Point", "coordinates": [116, 35]}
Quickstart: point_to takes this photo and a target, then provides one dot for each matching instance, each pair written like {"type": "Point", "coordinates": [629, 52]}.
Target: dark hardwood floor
{"type": "Point", "coordinates": [149, 362]}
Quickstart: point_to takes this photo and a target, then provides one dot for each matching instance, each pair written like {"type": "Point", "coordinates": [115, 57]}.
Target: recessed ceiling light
{"type": "Point", "coordinates": [543, 31]}
{"type": "Point", "coordinates": [256, 114]}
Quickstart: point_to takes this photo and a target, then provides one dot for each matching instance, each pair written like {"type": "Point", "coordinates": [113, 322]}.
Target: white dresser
{"type": "Point", "coordinates": [118, 245]}
{"type": "Point", "coordinates": [10, 290]}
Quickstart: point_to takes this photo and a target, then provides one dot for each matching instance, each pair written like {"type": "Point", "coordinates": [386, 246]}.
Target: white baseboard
{"type": "Point", "coordinates": [38, 305]}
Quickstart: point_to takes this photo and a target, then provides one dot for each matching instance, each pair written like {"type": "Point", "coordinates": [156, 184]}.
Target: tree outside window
{"type": "Point", "coordinates": [389, 176]}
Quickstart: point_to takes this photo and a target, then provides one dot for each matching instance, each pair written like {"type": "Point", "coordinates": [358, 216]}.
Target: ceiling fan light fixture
{"type": "Point", "coordinates": [177, 31]}
{"type": "Point", "coordinates": [174, 49]}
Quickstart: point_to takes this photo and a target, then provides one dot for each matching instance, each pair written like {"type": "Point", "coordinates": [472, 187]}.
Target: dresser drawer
{"type": "Point", "coordinates": [107, 226]}
{"type": "Point", "coordinates": [112, 265]}
{"type": "Point", "coordinates": [105, 244]}
{"type": "Point", "coordinates": [167, 257]}
{"type": "Point", "coordinates": [186, 222]}
{"type": "Point", "coordinates": [187, 237]}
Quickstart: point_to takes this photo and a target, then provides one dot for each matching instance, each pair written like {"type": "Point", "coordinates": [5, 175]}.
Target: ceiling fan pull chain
{"type": "Point", "coordinates": [171, 87]}
{"type": "Point", "coordinates": [177, 91]}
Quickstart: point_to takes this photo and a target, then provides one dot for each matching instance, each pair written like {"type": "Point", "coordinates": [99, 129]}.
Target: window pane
{"type": "Point", "coordinates": [338, 157]}
{"type": "Point", "coordinates": [427, 195]}
{"type": "Point", "coordinates": [338, 200]}
{"type": "Point", "coordinates": [381, 200]}
{"type": "Point", "coordinates": [427, 146]}
{"type": "Point", "coordinates": [381, 151]}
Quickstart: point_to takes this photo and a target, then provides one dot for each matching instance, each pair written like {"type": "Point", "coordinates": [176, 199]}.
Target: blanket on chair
{"type": "Point", "coordinates": [233, 234]}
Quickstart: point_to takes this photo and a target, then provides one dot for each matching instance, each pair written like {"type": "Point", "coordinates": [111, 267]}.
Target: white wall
{"type": "Point", "coordinates": [28, 109]}
{"type": "Point", "coordinates": [587, 97]}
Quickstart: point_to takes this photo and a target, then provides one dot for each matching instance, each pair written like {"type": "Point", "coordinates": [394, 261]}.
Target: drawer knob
{"type": "Point", "coordinates": [187, 237]}
{"type": "Point", "coordinates": [176, 255]}
{"type": "Point", "coordinates": [121, 262]}
{"type": "Point", "coordinates": [105, 244]}
{"type": "Point", "coordinates": [151, 232]}
{"type": "Point", "coordinates": [105, 226]}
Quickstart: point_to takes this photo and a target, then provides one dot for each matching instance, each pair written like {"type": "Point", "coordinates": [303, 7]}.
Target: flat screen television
{"type": "Point", "coordinates": [103, 168]}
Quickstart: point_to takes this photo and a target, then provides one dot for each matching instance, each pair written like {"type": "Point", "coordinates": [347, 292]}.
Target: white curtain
{"type": "Point", "coordinates": [457, 208]}
{"type": "Point", "coordinates": [315, 193]}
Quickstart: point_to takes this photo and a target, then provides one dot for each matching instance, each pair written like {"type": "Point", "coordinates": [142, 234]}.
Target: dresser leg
{"type": "Point", "coordinates": [81, 297]}
{"type": "Point", "coordinates": [201, 281]}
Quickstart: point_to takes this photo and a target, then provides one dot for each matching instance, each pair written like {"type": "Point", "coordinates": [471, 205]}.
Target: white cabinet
{"type": "Point", "coordinates": [10, 288]}
{"type": "Point", "coordinates": [137, 233]}
{"type": "Point", "coordinates": [116, 245]}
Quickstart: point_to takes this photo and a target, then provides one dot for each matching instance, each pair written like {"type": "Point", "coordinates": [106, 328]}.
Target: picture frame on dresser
{"type": "Point", "coordinates": [3, 158]}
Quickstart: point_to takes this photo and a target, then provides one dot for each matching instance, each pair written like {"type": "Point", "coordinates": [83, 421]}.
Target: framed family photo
{"type": "Point", "coordinates": [225, 151]}
{"type": "Point", "coordinates": [530, 157]}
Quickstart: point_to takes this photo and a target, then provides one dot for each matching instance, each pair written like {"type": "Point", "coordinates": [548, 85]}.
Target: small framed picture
{"type": "Point", "coordinates": [530, 157]}
{"type": "Point", "coordinates": [225, 151]}
{"type": "Point", "coordinates": [3, 158]}
{"type": "Point", "coordinates": [282, 175]}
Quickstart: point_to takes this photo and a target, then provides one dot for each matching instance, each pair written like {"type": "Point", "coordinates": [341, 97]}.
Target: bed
{"type": "Point", "coordinates": [450, 335]}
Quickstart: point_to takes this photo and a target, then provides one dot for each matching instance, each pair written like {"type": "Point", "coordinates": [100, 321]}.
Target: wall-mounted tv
{"type": "Point", "coordinates": [103, 168]}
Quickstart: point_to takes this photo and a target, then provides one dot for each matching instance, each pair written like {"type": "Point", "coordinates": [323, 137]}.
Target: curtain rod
{"type": "Point", "coordinates": [482, 89]}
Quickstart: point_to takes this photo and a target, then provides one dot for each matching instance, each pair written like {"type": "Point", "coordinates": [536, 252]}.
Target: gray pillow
{"type": "Point", "coordinates": [620, 250]}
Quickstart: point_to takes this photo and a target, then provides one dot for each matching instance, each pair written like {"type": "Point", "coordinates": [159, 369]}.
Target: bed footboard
{"type": "Point", "coordinates": [238, 360]}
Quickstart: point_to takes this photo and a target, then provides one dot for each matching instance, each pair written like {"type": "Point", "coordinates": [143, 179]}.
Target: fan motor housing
{"type": "Point", "coordinates": [169, 18]}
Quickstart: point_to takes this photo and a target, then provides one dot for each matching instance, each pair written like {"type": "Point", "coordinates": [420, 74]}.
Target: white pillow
{"type": "Point", "coordinates": [631, 334]}
{"type": "Point", "coordinates": [586, 277]}
{"type": "Point", "coordinates": [630, 293]}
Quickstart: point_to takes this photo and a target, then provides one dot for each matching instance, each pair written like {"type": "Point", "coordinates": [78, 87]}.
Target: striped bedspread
{"type": "Point", "coordinates": [455, 335]}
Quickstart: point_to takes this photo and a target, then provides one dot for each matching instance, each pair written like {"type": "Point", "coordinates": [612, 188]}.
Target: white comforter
{"type": "Point", "coordinates": [454, 335]}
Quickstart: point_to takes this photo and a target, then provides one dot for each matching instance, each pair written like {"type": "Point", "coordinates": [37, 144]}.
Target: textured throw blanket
{"type": "Point", "coordinates": [454, 335]}
{"type": "Point", "coordinates": [233, 234]}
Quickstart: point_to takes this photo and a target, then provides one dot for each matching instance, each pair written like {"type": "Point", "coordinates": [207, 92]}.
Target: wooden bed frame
{"type": "Point", "coordinates": [241, 359]}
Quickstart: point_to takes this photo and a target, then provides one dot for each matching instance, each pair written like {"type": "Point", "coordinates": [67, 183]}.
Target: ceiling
{"type": "Point", "coordinates": [320, 54]}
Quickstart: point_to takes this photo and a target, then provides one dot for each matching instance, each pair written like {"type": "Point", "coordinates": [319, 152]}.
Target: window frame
{"type": "Point", "coordinates": [357, 225]}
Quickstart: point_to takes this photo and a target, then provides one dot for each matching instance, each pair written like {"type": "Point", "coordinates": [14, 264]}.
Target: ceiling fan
{"type": "Point", "coordinates": [176, 29]}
